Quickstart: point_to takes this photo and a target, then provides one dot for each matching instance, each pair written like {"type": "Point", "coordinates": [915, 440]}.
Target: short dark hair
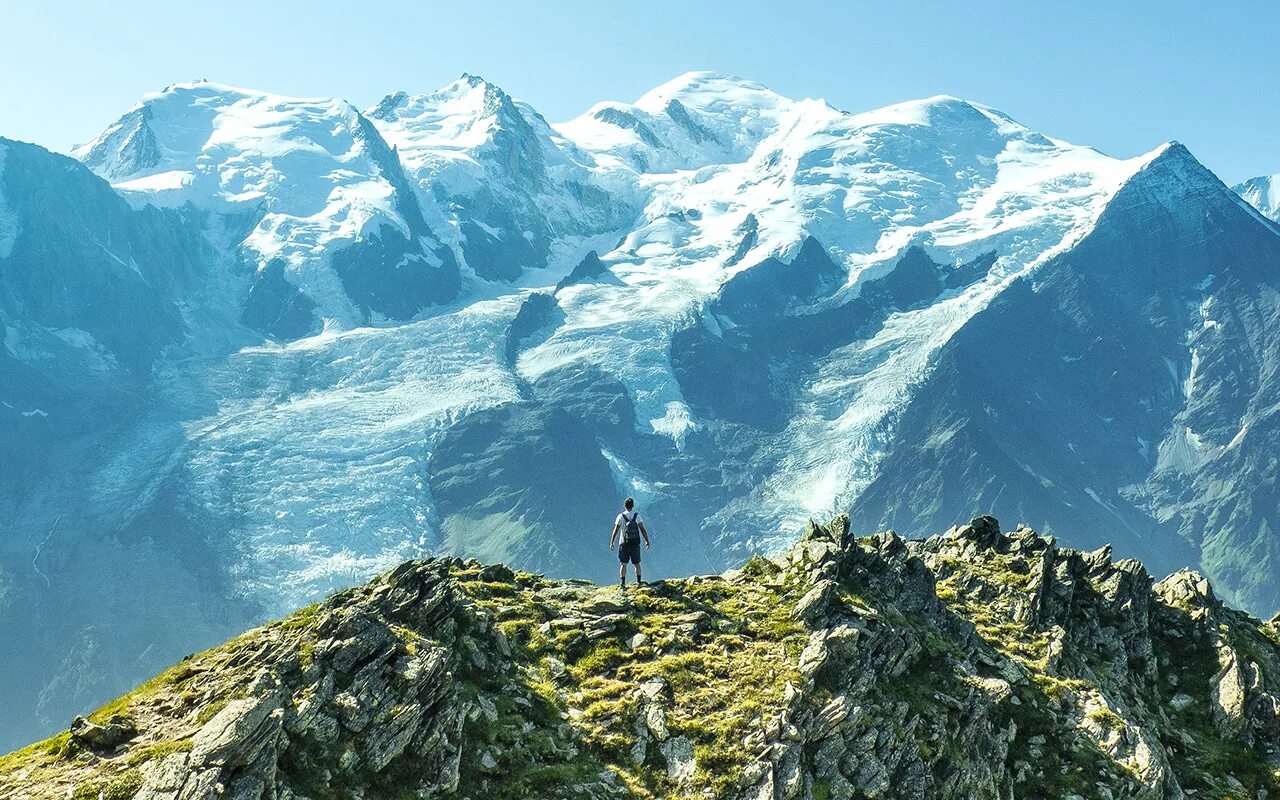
{"type": "Point", "coordinates": [628, 503]}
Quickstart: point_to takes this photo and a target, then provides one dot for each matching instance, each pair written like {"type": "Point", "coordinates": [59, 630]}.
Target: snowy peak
{"type": "Point", "coordinates": [503, 187]}
{"type": "Point", "coordinates": [314, 178]}
{"type": "Point", "coordinates": [949, 113]}
{"type": "Point", "coordinates": [1173, 177]}
{"type": "Point", "coordinates": [210, 144]}
{"type": "Point", "coordinates": [695, 119]}
{"type": "Point", "coordinates": [457, 121]}
{"type": "Point", "coordinates": [1263, 193]}
{"type": "Point", "coordinates": [457, 114]}
{"type": "Point", "coordinates": [716, 99]}
{"type": "Point", "coordinates": [125, 149]}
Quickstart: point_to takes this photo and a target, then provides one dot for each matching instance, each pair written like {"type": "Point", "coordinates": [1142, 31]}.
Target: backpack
{"type": "Point", "coordinates": [631, 527]}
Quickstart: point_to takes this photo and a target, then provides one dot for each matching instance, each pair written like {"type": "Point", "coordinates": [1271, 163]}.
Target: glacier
{"type": "Point", "coordinates": [281, 344]}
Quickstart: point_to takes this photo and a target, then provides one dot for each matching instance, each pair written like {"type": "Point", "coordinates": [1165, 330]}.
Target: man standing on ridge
{"type": "Point", "coordinates": [632, 529]}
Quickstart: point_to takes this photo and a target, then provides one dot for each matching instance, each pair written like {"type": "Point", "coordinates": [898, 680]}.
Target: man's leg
{"type": "Point", "coordinates": [622, 573]}
{"type": "Point", "coordinates": [639, 577]}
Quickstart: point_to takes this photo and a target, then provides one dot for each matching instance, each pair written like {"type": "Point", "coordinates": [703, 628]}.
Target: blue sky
{"type": "Point", "coordinates": [1121, 76]}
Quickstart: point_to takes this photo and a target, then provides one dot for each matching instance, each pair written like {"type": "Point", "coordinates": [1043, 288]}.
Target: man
{"type": "Point", "coordinates": [632, 529]}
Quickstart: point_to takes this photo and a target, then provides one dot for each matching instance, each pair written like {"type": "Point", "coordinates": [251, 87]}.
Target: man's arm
{"type": "Point", "coordinates": [614, 536]}
{"type": "Point", "coordinates": [645, 533]}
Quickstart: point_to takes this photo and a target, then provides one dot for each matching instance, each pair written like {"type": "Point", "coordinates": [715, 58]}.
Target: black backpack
{"type": "Point", "coordinates": [631, 527]}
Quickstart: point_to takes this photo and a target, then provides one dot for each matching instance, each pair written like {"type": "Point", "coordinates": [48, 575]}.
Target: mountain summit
{"type": "Point", "coordinates": [973, 664]}
{"type": "Point", "coordinates": [1263, 193]}
{"type": "Point", "coordinates": [331, 213]}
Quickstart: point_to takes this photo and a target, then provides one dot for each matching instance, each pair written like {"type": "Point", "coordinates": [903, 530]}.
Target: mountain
{"type": "Point", "coordinates": [336, 230]}
{"type": "Point", "coordinates": [298, 344]}
{"type": "Point", "coordinates": [976, 664]}
{"type": "Point", "coordinates": [1263, 193]}
{"type": "Point", "coordinates": [515, 193]}
{"type": "Point", "coordinates": [1118, 376]}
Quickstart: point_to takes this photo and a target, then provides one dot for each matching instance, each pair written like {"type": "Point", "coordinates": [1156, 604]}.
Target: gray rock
{"type": "Point", "coordinates": [238, 733]}
{"type": "Point", "coordinates": [814, 605]}
{"type": "Point", "coordinates": [678, 752]}
{"type": "Point", "coordinates": [115, 731]}
{"type": "Point", "coordinates": [655, 720]}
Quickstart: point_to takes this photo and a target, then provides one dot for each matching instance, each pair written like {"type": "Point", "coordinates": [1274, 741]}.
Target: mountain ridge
{"type": "Point", "coordinates": [971, 664]}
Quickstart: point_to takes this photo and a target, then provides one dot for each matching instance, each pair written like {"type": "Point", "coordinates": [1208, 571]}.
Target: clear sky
{"type": "Point", "coordinates": [1122, 76]}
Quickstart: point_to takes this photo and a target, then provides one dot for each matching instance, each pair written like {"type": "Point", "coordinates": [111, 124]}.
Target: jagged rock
{"type": "Point", "coordinates": [975, 664]}
{"type": "Point", "coordinates": [655, 719]}
{"type": "Point", "coordinates": [497, 573]}
{"type": "Point", "coordinates": [831, 715]}
{"type": "Point", "coordinates": [391, 738]}
{"type": "Point", "coordinates": [678, 753]}
{"type": "Point", "coordinates": [115, 731]}
{"type": "Point", "coordinates": [813, 607]}
{"type": "Point", "coordinates": [598, 627]}
{"type": "Point", "coordinates": [604, 604]}
{"type": "Point", "coordinates": [238, 733]}
{"type": "Point", "coordinates": [1228, 693]}
{"type": "Point", "coordinates": [984, 531]}
{"type": "Point", "coordinates": [1188, 590]}
{"type": "Point", "coordinates": [655, 689]}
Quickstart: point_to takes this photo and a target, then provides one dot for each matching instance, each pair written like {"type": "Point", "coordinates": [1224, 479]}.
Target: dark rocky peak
{"type": "Point", "coordinates": [589, 270]}
{"type": "Point", "coordinates": [773, 286]}
{"type": "Point", "coordinates": [1189, 591]}
{"type": "Point", "coordinates": [628, 120]}
{"type": "Point", "coordinates": [695, 130]}
{"type": "Point", "coordinates": [1178, 184]}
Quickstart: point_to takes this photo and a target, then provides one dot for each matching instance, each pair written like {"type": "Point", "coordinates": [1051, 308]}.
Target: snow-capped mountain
{"type": "Point", "coordinates": [514, 193]}
{"type": "Point", "coordinates": [340, 340]}
{"type": "Point", "coordinates": [336, 231]}
{"type": "Point", "coordinates": [1263, 193]}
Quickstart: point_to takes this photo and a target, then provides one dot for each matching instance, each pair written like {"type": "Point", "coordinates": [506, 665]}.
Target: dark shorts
{"type": "Point", "coordinates": [629, 551]}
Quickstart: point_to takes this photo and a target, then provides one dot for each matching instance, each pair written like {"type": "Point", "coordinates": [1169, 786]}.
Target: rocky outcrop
{"type": "Point", "coordinates": [975, 664]}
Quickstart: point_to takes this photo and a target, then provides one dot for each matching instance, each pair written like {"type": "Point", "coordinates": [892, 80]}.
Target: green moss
{"type": "Point", "coordinates": [120, 787]}
{"type": "Point", "coordinates": [52, 749]}
{"type": "Point", "coordinates": [821, 790]}
{"type": "Point", "coordinates": [1106, 718]}
{"type": "Point", "coordinates": [1002, 579]}
{"type": "Point", "coordinates": [747, 638]}
{"type": "Point", "coordinates": [157, 751]}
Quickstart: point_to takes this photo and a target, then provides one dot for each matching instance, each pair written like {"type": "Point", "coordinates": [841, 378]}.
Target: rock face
{"type": "Point", "coordinates": [975, 664]}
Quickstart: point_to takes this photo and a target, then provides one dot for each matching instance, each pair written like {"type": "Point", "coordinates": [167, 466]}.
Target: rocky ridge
{"type": "Point", "coordinates": [974, 664]}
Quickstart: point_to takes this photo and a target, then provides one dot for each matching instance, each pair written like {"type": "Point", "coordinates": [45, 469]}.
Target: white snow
{"type": "Point", "coordinates": [960, 178]}
{"type": "Point", "coordinates": [303, 164]}
{"type": "Point", "coordinates": [470, 139]}
{"type": "Point", "coordinates": [1263, 193]}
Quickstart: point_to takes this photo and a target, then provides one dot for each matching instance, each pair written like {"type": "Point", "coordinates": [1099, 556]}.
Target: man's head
{"type": "Point", "coordinates": [629, 504]}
